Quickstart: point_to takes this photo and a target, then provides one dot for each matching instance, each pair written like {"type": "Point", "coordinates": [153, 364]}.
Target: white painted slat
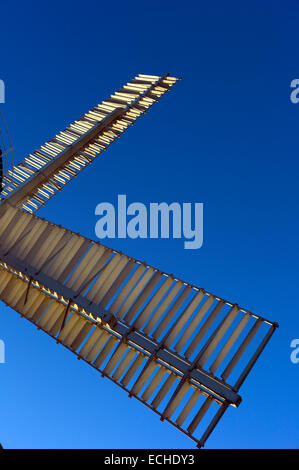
{"type": "Point", "coordinates": [36, 242]}
{"type": "Point", "coordinates": [184, 318]}
{"type": "Point", "coordinates": [97, 271]}
{"type": "Point", "coordinates": [14, 230]}
{"type": "Point", "coordinates": [211, 345]}
{"type": "Point", "coordinates": [90, 342]}
{"type": "Point", "coordinates": [4, 280]}
{"type": "Point", "coordinates": [132, 370]}
{"type": "Point", "coordinates": [163, 391]}
{"type": "Point", "coordinates": [35, 306]}
{"type": "Point", "coordinates": [6, 215]}
{"type": "Point", "coordinates": [71, 321]}
{"type": "Point", "coordinates": [107, 278]}
{"type": "Point", "coordinates": [29, 241]}
{"type": "Point", "coordinates": [126, 290]}
{"type": "Point", "coordinates": [64, 257]}
{"type": "Point", "coordinates": [72, 259]}
{"type": "Point", "coordinates": [15, 292]}
{"type": "Point", "coordinates": [124, 274]}
{"type": "Point", "coordinates": [123, 365]}
{"type": "Point", "coordinates": [163, 307]}
{"type": "Point", "coordinates": [81, 336]}
{"type": "Point", "coordinates": [74, 331]}
{"type": "Point", "coordinates": [197, 419]}
{"type": "Point", "coordinates": [9, 288]}
{"type": "Point", "coordinates": [237, 356]}
{"type": "Point", "coordinates": [105, 351]}
{"type": "Point", "coordinates": [54, 241]}
{"type": "Point", "coordinates": [33, 301]}
{"type": "Point", "coordinates": [154, 383]}
{"type": "Point", "coordinates": [51, 315]}
{"type": "Point", "coordinates": [175, 401]}
{"type": "Point", "coordinates": [57, 324]}
{"type": "Point", "coordinates": [97, 347]}
{"type": "Point", "coordinates": [172, 312]}
{"type": "Point", "coordinates": [152, 304]}
{"type": "Point", "coordinates": [43, 304]}
{"type": "Point", "coordinates": [116, 357]}
{"type": "Point", "coordinates": [193, 325]}
{"type": "Point", "coordinates": [230, 342]}
{"type": "Point", "coordinates": [83, 270]}
{"type": "Point", "coordinates": [204, 329]}
{"type": "Point", "coordinates": [146, 292]}
{"type": "Point", "coordinates": [135, 292]}
{"type": "Point", "coordinates": [188, 407]}
{"type": "Point", "coordinates": [139, 384]}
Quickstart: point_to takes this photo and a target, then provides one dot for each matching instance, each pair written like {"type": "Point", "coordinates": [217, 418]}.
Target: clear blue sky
{"type": "Point", "coordinates": [227, 136]}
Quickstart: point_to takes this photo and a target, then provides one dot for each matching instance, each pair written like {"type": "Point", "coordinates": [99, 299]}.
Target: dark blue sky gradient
{"type": "Point", "coordinates": [226, 135]}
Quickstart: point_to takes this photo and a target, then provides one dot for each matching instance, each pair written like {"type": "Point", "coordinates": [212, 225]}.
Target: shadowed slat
{"type": "Point", "coordinates": [154, 384]}
{"type": "Point", "coordinates": [163, 307]}
{"type": "Point", "coordinates": [196, 420]}
{"type": "Point", "coordinates": [163, 391]}
{"type": "Point", "coordinates": [195, 322]}
{"type": "Point", "coordinates": [205, 328]}
{"type": "Point", "coordinates": [188, 407]}
{"type": "Point", "coordinates": [217, 336]}
{"type": "Point", "coordinates": [242, 349]}
{"type": "Point", "coordinates": [230, 342]}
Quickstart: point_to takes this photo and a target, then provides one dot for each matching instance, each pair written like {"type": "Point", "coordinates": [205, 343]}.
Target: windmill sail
{"type": "Point", "coordinates": [178, 349]}
{"type": "Point", "coordinates": [35, 180]}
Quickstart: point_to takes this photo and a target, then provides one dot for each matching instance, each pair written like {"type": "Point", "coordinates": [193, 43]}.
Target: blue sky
{"type": "Point", "coordinates": [226, 135]}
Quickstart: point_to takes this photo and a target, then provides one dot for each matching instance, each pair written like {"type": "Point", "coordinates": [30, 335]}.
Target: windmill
{"type": "Point", "coordinates": [178, 349]}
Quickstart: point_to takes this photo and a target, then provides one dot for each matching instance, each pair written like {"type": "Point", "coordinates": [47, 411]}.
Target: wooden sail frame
{"type": "Point", "coordinates": [180, 350]}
